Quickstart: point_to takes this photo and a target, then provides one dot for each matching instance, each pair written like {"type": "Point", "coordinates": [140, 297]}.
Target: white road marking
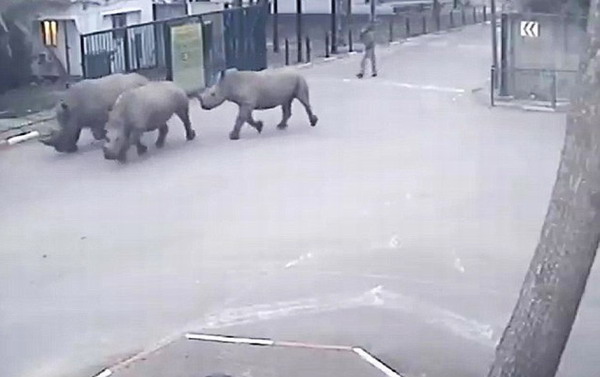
{"type": "Point", "coordinates": [294, 262]}
{"type": "Point", "coordinates": [375, 362]}
{"type": "Point", "coordinates": [229, 339]}
{"type": "Point", "coordinates": [104, 373]}
{"type": "Point", "coordinates": [433, 88]}
{"type": "Point", "coordinates": [331, 58]}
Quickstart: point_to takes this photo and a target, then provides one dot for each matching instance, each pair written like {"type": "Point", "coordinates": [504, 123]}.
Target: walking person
{"type": "Point", "coordinates": [367, 37]}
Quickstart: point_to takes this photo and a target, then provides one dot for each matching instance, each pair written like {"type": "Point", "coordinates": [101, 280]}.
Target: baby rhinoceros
{"type": "Point", "coordinates": [258, 91]}
{"type": "Point", "coordinates": [143, 109]}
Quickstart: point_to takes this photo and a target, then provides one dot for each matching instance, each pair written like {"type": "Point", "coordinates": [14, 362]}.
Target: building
{"type": "Point", "coordinates": [57, 49]}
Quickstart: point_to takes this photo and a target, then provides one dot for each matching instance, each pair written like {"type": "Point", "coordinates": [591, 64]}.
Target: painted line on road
{"type": "Point", "coordinates": [229, 339]}
{"type": "Point", "coordinates": [433, 88]}
{"type": "Point", "coordinates": [389, 372]}
{"type": "Point", "coordinates": [104, 373]}
{"type": "Point", "coordinates": [263, 342]}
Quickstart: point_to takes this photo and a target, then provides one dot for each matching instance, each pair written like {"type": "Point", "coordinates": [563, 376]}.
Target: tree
{"type": "Point", "coordinates": [539, 328]}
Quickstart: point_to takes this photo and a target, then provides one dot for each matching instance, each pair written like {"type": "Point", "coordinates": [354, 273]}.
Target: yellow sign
{"type": "Point", "coordinates": [187, 57]}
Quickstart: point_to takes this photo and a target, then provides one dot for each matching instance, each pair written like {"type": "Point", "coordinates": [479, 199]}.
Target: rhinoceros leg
{"type": "Point", "coordinates": [257, 124]}
{"type": "Point", "coordinates": [99, 133]}
{"type": "Point", "coordinates": [287, 114]}
{"type": "Point", "coordinates": [244, 115]}
{"type": "Point", "coordinates": [136, 138]}
{"type": "Point", "coordinates": [303, 97]}
{"type": "Point", "coordinates": [184, 115]}
{"type": "Point", "coordinates": [68, 142]}
{"type": "Point", "coordinates": [162, 134]}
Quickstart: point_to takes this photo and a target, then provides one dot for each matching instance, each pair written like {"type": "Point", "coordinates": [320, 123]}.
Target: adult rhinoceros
{"type": "Point", "coordinates": [258, 91]}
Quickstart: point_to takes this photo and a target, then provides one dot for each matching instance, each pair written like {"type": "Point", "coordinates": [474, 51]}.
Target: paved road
{"type": "Point", "coordinates": [403, 222]}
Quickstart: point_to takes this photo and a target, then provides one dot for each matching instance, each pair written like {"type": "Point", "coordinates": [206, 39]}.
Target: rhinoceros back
{"type": "Point", "coordinates": [90, 100]}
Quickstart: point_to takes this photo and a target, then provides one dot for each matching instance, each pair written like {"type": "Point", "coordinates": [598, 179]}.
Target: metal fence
{"type": "Point", "coordinates": [234, 37]}
{"type": "Point", "coordinates": [539, 56]}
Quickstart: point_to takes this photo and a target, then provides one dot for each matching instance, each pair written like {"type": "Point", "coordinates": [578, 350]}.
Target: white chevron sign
{"type": "Point", "coordinates": [530, 29]}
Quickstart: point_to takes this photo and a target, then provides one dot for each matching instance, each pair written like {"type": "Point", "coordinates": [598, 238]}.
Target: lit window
{"type": "Point", "coordinates": [50, 33]}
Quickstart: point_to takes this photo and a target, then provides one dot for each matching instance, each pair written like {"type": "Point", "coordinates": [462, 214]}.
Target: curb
{"type": "Point", "coordinates": [19, 139]}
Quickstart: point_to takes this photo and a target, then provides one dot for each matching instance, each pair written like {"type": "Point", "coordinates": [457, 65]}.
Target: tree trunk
{"type": "Point", "coordinates": [538, 330]}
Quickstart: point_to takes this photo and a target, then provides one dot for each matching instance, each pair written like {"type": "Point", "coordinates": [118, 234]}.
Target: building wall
{"type": "Point", "coordinates": [79, 19]}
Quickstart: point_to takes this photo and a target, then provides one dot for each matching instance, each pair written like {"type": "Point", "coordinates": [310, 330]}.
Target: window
{"type": "Point", "coordinates": [50, 33]}
{"type": "Point", "coordinates": [119, 20]}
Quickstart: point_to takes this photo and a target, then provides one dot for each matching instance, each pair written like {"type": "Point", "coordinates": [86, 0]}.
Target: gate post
{"type": "Point", "coordinates": [83, 61]}
{"type": "Point", "coordinates": [299, 28]}
{"type": "Point", "coordinates": [503, 54]}
{"type": "Point", "coordinates": [275, 26]}
{"type": "Point", "coordinates": [126, 49]}
{"type": "Point", "coordinates": [333, 27]}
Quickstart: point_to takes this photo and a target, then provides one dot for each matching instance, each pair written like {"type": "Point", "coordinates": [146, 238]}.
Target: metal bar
{"type": "Point", "coordinates": [503, 54]}
{"type": "Point", "coordinates": [424, 21]}
{"type": "Point", "coordinates": [373, 10]}
{"type": "Point", "coordinates": [83, 60]}
{"type": "Point", "coordinates": [334, 26]}
{"type": "Point", "coordinates": [492, 85]}
{"type": "Point", "coordinates": [126, 50]}
{"type": "Point", "coordinates": [474, 14]}
{"type": "Point", "coordinates": [350, 46]}
{"type": "Point", "coordinates": [391, 30]}
{"type": "Point", "coordinates": [407, 25]}
{"type": "Point", "coordinates": [463, 16]}
{"type": "Point", "coordinates": [484, 13]}
{"type": "Point", "coordinates": [327, 45]}
{"type": "Point", "coordinates": [451, 19]}
{"type": "Point", "coordinates": [299, 28]}
{"type": "Point", "coordinates": [553, 90]}
{"type": "Point", "coordinates": [287, 52]}
{"type": "Point", "coordinates": [275, 26]}
{"type": "Point", "coordinates": [308, 49]}
{"type": "Point", "coordinates": [494, 38]}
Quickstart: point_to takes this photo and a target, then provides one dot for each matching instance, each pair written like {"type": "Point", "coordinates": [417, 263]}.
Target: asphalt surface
{"type": "Point", "coordinates": [403, 222]}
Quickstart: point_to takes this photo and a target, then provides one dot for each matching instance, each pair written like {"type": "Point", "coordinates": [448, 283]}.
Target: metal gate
{"type": "Point", "coordinates": [234, 37]}
{"type": "Point", "coordinates": [245, 37]}
{"type": "Point", "coordinates": [539, 56]}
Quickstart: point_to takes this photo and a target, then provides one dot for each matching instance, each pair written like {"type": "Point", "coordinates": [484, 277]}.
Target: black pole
{"type": "Point", "coordinates": [474, 14]}
{"type": "Point", "coordinates": [350, 47]}
{"type": "Point", "coordinates": [307, 49]}
{"type": "Point", "coordinates": [462, 11]}
{"type": "Point", "coordinates": [407, 24]}
{"type": "Point", "coordinates": [275, 26]}
{"type": "Point", "coordinates": [494, 39]}
{"type": "Point", "coordinates": [503, 54]}
{"type": "Point", "coordinates": [333, 26]}
{"type": "Point", "coordinates": [424, 25]}
{"type": "Point", "coordinates": [326, 45]}
{"type": "Point", "coordinates": [299, 28]}
{"type": "Point", "coordinates": [452, 19]}
{"type": "Point", "coordinates": [493, 85]}
{"type": "Point", "coordinates": [287, 52]}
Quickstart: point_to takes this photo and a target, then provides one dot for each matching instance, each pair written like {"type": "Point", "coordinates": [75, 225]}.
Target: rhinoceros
{"type": "Point", "coordinates": [142, 109]}
{"type": "Point", "coordinates": [258, 91]}
{"type": "Point", "coordinates": [86, 105]}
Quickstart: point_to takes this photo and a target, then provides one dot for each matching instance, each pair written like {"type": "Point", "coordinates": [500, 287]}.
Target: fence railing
{"type": "Point", "coordinates": [234, 37]}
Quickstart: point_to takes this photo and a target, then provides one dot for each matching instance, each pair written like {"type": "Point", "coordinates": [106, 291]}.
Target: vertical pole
{"type": "Point", "coordinates": [424, 21]}
{"type": "Point", "coordinates": [83, 60]}
{"type": "Point", "coordinates": [493, 85]}
{"type": "Point", "coordinates": [299, 28]}
{"type": "Point", "coordinates": [474, 14]}
{"type": "Point", "coordinates": [287, 52]}
{"type": "Point", "coordinates": [503, 54]}
{"type": "Point", "coordinates": [553, 89]}
{"type": "Point", "coordinates": [463, 16]}
{"type": "Point", "coordinates": [126, 48]}
{"type": "Point", "coordinates": [451, 18]}
{"type": "Point", "coordinates": [373, 10]}
{"type": "Point", "coordinates": [308, 49]}
{"type": "Point", "coordinates": [407, 24]}
{"type": "Point", "coordinates": [275, 26]}
{"type": "Point", "coordinates": [334, 26]}
{"type": "Point", "coordinates": [391, 27]}
{"type": "Point", "coordinates": [350, 47]}
{"type": "Point", "coordinates": [484, 13]}
{"type": "Point", "coordinates": [494, 38]}
{"type": "Point", "coordinates": [326, 45]}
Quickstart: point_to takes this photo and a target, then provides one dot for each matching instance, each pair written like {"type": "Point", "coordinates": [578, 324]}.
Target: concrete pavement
{"type": "Point", "coordinates": [403, 222]}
